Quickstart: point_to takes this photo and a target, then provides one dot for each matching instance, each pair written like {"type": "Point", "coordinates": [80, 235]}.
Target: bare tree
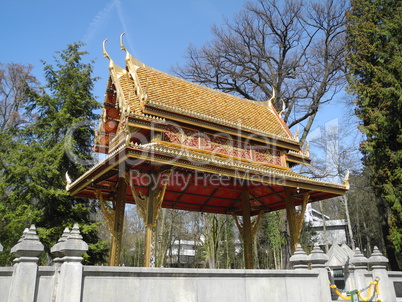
{"type": "Point", "coordinates": [337, 156]}
{"type": "Point", "coordinates": [17, 85]}
{"type": "Point", "coordinates": [288, 51]}
{"type": "Point", "coordinates": [212, 226]}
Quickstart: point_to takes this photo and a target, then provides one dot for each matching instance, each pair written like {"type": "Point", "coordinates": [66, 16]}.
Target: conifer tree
{"type": "Point", "coordinates": [59, 141]}
{"type": "Point", "coordinates": [375, 67]}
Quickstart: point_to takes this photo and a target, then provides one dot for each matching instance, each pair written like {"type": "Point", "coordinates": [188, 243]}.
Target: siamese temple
{"type": "Point", "coordinates": [171, 143]}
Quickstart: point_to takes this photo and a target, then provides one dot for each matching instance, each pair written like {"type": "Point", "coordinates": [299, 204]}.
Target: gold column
{"type": "Point", "coordinates": [114, 216]}
{"type": "Point", "coordinates": [247, 235]}
{"type": "Point", "coordinates": [295, 219]}
{"type": "Point", "coordinates": [149, 208]}
{"type": "Point", "coordinates": [248, 228]}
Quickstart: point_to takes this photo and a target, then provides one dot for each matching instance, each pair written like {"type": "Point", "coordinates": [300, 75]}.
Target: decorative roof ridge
{"type": "Point", "coordinates": [147, 117]}
{"type": "Point", "coordinates": [132, 64]}
{"type": "Point", "coordinates": [303, 153]}
{"type": "Point", "coordinates": [116, 72]}
{"type": "Point", "coordinates": [283, 124]}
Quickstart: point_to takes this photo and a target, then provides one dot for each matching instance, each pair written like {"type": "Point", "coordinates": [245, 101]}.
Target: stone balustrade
{"type": "Point", "coordinates": [67, 280]}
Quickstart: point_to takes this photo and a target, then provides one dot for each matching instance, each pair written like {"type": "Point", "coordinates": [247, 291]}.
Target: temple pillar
{"type": "Point", "coordinates": [114, 216]}
{"type": "Point", "coordinates": [119, 209]}
{"type": "Point", "coordinates": [295, 218]}
{"type": "Point", "coordinates": [247, 235]}
{"type": "Point", "coordinates": [248, 228]}
{"type": "Point", "coordinates": [149, 207]}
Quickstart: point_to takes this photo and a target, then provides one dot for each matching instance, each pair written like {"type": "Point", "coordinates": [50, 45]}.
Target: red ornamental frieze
{"type": "Point", "coordinates": [221, 145]}
{"type": "Point", "coordinates": [268, 155]}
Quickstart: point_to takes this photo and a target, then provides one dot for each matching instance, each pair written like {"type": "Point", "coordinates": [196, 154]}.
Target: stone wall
{"type": "Point", "coordinates": [68, 280]}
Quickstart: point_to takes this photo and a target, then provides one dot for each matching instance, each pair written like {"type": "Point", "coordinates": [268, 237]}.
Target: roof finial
{"type": "Point", "coordinates": [346, 179]}
{"type": "Point", "coordinates": [283, 108]}
{"type": "Point", "coordinates": [296, 136]}
{"type": "Point", "coordinates": [269, 102]}
{"type": "Point", "coordinates": [307, 147]}
{"type": "Point", "coordinates": [122, 47]}
{"type": "Point", "coordinates": [112, 65]}
{"type": "Point", "coordinates": [68, 181]}
{"type": "Point", "coordinates": [105, 54]}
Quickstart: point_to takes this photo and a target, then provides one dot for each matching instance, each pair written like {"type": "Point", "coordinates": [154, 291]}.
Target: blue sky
{"type": "Point", "coordinates": [158, 32]}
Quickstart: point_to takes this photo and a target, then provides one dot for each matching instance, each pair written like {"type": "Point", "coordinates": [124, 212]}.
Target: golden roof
{"type": "Point", "coordinates": [174, 94]}
{"type": "Point", "coordinates": [146, 89]}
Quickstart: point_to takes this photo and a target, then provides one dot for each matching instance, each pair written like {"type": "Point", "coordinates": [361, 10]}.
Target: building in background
{"type": "Point", "coordinates": [336, 230]}
{"type": "Point", "coordinates": [182, 253]}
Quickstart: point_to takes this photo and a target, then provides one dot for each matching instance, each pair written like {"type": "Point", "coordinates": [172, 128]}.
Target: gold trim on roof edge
{"type": "Point", "coordinates": [217, 166]}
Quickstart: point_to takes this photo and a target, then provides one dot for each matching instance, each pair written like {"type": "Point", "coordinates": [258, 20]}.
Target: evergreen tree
{"type": "Point", "coordinates": [59, 141]}
{"type": "Point", "coordinates": [375, 67]}
{"type": "Point", "coordinates": [365, 220]}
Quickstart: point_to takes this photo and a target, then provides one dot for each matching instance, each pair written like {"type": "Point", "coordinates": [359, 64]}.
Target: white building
{"type": "Point", "coordinates": [335, 229]}
{"type": "Point", "coordinates": [182, 252]}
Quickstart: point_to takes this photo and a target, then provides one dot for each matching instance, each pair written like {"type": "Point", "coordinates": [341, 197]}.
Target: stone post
{"type": "Point", "coordinates": [358, 270]}
{"type": "Point", "coordinates": [55, 250]}
{"type": "Point", "coordinates": [318, 260]}
{"type": "Point", "coordinates": [58, 259]}
{"type": "Point", "coordinates": [299, 259]}
{"type": "Point", "coordinates": [70, 280]}
{"type": "Point", "coordinates": [26, 251]}
{"type": "Point", "coordinates": [378, 264]}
